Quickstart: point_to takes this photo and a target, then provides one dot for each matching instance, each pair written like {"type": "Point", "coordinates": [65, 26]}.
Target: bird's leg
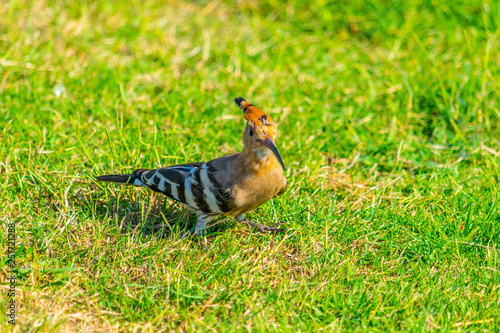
{"type": "Point", "coordinates": [202, 224]}
{"type": "Point", "coordinates": [199, 230]}
{"type": "Point", "coordinates": [260, 227]}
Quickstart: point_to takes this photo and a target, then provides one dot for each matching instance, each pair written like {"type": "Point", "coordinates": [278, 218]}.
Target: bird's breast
{"type": "Point", "coordinates": [255, 190]}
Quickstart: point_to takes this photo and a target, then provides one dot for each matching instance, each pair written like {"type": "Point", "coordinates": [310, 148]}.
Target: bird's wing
{"type": "Point", "coordinates": [169, 180]}
{"type": "Point", "coordinates": [192, 184]}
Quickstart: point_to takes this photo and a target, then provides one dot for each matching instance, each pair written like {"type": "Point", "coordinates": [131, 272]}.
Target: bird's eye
{"type": "Point", "coordinates": [250, 132]}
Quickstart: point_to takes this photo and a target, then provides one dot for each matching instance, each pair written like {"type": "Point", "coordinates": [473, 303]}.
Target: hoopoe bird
{"type": "Point", "coordinates": [230, 185]}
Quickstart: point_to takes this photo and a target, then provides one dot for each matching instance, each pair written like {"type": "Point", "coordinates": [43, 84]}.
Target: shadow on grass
{"type": "Point", "coordinates": [136, 211]}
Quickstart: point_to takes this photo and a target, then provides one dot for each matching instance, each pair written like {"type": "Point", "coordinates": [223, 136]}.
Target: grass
{"type": "Point", "coordinates": [389, 125]}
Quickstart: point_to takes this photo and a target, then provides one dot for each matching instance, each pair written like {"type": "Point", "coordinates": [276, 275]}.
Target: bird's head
{"type": "Point", "coordinates": [260, 131]}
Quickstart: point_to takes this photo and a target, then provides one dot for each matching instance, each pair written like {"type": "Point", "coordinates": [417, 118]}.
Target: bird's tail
{"type": "Point", "coordinates": [120, 179]}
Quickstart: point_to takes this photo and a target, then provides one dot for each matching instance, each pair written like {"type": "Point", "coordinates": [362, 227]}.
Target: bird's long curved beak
{"type": "Point", "coordinates": [270, 143]}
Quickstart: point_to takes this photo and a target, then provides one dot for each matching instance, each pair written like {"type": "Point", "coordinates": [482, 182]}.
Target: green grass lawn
{"type": "Point", "coordinates": [389, 120]}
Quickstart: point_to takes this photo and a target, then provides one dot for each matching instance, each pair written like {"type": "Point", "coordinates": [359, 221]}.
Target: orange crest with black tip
{"type": "Point", "coordinates": [252, 113]}
{"type": "Point", "coordinates": [260, 131]}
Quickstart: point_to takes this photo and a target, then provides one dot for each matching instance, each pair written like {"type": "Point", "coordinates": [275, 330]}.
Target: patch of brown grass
{"type": "Point", "coordinates": [70, 310]}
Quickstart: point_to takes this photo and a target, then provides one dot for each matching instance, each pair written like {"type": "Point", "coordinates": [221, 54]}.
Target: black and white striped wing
{"type": "Point", "coordinates": [169, 181]}
{"type": "Point", "coordinates": [191, 184]}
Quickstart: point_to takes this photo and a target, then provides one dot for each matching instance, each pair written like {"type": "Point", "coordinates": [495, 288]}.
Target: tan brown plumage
{"type": "Point", "coordinates": [230, 185]}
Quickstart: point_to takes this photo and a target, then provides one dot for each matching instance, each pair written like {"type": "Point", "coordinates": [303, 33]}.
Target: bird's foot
{"type": "Point", "coordinates": [197, 236]}
{"type": "Point", "coordinates": [264, 228]}
{"type": "Point", "coordinates": [199, 231]}
{"type": "Point", "coordinates": [187, 234]}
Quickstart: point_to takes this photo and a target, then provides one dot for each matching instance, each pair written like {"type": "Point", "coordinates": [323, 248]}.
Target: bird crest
{"type": "Point", "coordinates": [252, 113]}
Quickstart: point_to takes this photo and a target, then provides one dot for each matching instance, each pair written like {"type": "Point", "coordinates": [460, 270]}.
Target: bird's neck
{"type": "Point", "coordinates": [257, 160]}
